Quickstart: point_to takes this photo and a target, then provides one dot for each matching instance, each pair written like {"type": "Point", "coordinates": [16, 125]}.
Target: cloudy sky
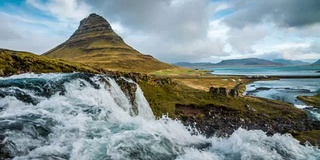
{"type": "Point", "coordinates": [174, 30]}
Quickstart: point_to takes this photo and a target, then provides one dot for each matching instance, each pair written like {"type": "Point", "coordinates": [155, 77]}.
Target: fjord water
{"type": "Point", "coordinates": [79, 116]}
{"type": "Point", "coordinates": [284, 89]}
{"type": "Point", "coordinates": [287, 90]}
{"type": "Point", "coordinates": [307, 70]}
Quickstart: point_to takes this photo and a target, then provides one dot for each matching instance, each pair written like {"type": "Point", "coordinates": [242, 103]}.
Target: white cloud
{"type": "Point", "coordinates": [118, 28]}
{"type": "Point", "coordinates": [63, 9]}
{"type": "Point", "coordinates": [170, 30]}
{"type": "Point", "coordinates": [218, 30]}
{"type": "Point", "coordinates": [290, 45]}
{"type": "Point", "coordinates": [6, 30]}
{"type": "Point", "coordinates": [242, 40]}
{"type": "Point", "coordinates": [215, 7]}
{"type": "Point", "coordinates": [22, 32]}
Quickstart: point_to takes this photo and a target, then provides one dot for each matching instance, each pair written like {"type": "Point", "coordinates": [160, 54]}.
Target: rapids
{"type": "Point", "coordinates": [82, 116]}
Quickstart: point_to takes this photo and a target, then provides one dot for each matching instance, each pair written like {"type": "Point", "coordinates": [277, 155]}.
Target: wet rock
{"type": "Point", "coordinates": [129, 89]}
{"type": "Point", "coordinates": [4, 152]}
{"type": "Point", "coordinates": [263, 88]}
{"type": "Point", "coordinates": [223, 121]}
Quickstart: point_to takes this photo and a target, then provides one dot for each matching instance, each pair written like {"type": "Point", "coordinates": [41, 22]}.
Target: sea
{"type": "Point", "coordinates": [307, 70]}
{"type": "Point", "coordinates": [81, 116]}
{"type": "Point", "coordinates": [284, 89]}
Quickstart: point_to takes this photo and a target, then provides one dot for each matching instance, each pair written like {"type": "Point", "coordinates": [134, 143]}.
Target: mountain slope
{"type": "Point", "coordinates": [290, 62]}
{"type": "Point", "coordinates": [15, 62]}
{"type": "Point", "coordinates": [248, 61]}
{"type": "Point", "coordinates": [316, 63]}
{"type": "Point", "coordinates": [96, 44]}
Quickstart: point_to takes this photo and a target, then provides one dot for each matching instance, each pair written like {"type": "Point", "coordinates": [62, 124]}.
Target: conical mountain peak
{"type": "Point", "coordinates": [93, 33]}
{"type": "Point", "coordinates": [93, 24]}
{"type": "Point", "coordinates": [96, 44]}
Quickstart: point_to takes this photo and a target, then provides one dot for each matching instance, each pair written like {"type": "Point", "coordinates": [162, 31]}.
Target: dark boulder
{"type": "Point", "coordinates": [224, 91]}
{"type": "Point", "coordinates": [220, 90]}
{"type": "Point", "coordinates": [129, 89]}
{"type": "Point", "coordinates": [234, 93]}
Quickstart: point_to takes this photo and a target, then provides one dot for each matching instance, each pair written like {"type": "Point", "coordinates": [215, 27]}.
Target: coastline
{"type": "Point", "coordinates": [270, 76]}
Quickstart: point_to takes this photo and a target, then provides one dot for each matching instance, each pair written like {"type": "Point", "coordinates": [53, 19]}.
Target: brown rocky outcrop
{"type": "Point", "coordinates": [220, 90]}
{"type": "Point", "coordinates": [234, 93]}
{"type": "Point", "coordinates": [129, 89]}
{"type": "Point", "coordinates": [213, 120]}
{"type": "Point", "coordinates": [224, 91]}
{"type": "Point", "coordinates": [93, 23]}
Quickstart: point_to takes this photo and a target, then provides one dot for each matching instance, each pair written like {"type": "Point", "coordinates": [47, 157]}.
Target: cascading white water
{"type": "Point", "coordinates": [84, 117]}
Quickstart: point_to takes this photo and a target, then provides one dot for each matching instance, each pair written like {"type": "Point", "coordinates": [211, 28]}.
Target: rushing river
{"type": "Point", "coordinates": [81, 117]}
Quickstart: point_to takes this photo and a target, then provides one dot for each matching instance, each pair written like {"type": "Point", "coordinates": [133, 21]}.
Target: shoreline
{"type": "Point", "coordinates": [269, 76]}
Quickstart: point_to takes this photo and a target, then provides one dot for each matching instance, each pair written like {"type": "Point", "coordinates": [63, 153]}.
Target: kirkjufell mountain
{"type": "Point", "coordinates": [95, 43]}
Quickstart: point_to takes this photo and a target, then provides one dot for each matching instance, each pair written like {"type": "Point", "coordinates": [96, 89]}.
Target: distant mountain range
{"type": "Point", "coordinates": [290, 62]}
{"type": "Point", "coordinates": [316, 63]}
{"type": "Point", "coordinates": [243, 62]}
{"type": "Point", "coordinates": [248, 61]}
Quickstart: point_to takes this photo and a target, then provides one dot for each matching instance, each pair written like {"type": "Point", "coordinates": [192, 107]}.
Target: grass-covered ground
{"type": "Point", "coordinates": [204, 83]}
{"type": "Point", "coordinates": [164, 97]}
{"type": "Point", "coordinates": [312, 137]}
{"type": "Point", "coordinates": [16, 62]}
{"type": "Point", "coordinates": [180, 72]}
{"type": "Point", "coordinates": [311, 100]}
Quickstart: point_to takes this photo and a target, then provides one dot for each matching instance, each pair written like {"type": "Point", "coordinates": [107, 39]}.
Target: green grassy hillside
{"type": "Point", "coordinates": [16, 62]}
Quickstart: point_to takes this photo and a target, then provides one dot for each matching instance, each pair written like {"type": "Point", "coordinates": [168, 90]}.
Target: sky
{"type": "Point", "coordinates": [174, 30]}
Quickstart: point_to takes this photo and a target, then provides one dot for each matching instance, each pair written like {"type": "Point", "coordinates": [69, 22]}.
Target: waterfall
{"type": "Point", "coordinates": [84, 116]}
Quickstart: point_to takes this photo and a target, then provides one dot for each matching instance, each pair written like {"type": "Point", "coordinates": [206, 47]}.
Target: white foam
{"type": "Point", "coordinates": [89, 123]}
{"type": "Point", "coordinates": [143, 105]}
{"type": "Point", "coordinates": [301, 106]}
{"type": "Point", "coordinates": [315, 115]}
